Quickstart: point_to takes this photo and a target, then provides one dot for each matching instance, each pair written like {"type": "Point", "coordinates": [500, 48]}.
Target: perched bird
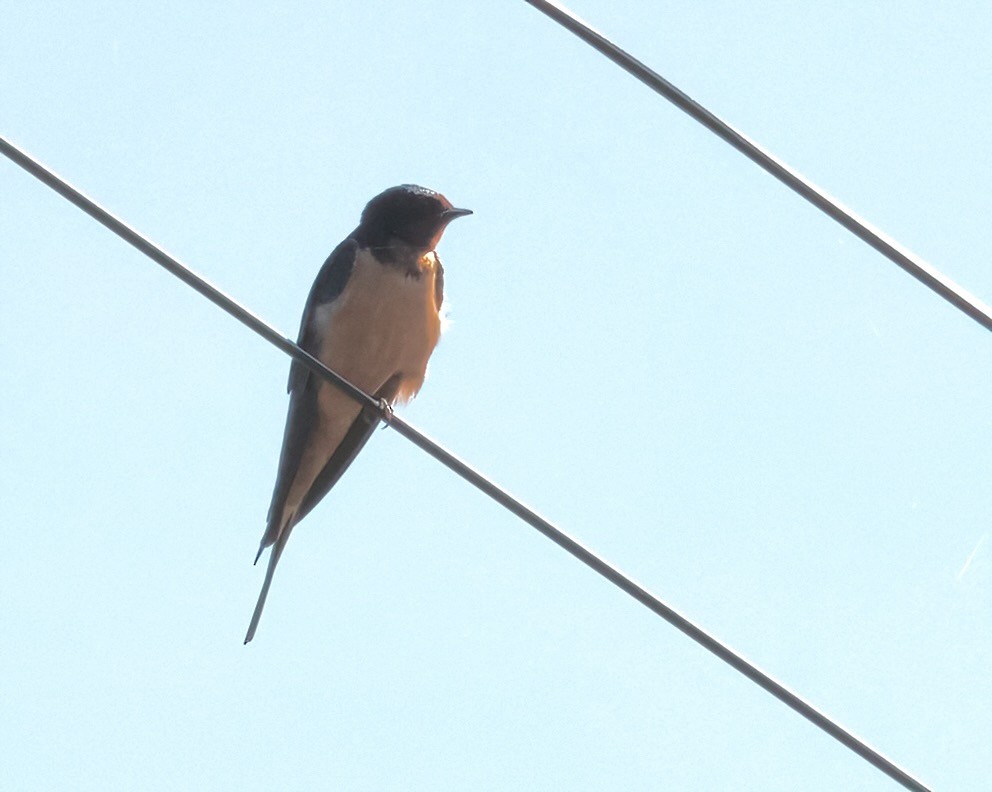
{"type": "Point", "coordinates": [373, 316]}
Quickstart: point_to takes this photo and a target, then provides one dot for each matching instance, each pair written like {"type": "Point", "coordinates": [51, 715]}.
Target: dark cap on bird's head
{"type": "Point", "coordinates": [408, 213]}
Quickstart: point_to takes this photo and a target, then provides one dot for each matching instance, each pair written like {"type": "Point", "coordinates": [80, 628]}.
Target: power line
{"type": "Point", "coordinates": [928, 275]}
{"type": "Point", "coordinates": [472, 476]}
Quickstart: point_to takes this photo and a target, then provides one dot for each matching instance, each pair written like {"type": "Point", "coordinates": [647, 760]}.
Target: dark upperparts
{"type": "Point", "coordinates": [408, 215]}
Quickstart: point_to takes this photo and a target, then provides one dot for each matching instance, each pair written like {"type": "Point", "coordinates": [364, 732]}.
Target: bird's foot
{"type": "Point", "coordinates": [385, 411]}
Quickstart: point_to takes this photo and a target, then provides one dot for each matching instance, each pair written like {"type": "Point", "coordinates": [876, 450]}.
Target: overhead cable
{"type": "Point", "coordinates": [924, 272]}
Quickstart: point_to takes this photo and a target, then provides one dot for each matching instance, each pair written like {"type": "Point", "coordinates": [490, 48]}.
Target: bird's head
{"type": "Point", "coordinates": [409, 214]}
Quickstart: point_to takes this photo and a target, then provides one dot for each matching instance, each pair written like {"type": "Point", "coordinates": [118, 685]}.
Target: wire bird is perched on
{"type": "Point", "coordinates": [373, 316]}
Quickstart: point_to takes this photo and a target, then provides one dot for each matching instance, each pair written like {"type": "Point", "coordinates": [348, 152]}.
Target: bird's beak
{"type": "Point", "coordinates": [451, 214]}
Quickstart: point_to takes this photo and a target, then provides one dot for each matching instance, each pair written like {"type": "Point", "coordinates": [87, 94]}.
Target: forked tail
{"type": "Point", "coordinates": [277, 548]}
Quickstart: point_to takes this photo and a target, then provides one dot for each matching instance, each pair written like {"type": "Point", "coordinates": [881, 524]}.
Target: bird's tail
{"type": "Point", "coordinates": [277, 548]}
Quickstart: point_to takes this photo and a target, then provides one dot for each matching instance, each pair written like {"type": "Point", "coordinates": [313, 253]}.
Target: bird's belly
{"type": "Point", "coordinates": [385, 323]}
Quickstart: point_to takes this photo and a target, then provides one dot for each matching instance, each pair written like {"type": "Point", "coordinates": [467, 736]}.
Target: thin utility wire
{"type": "Point", "coordinates": [888, 247]}
{"type": "Point", "coordinates": [474, 477]}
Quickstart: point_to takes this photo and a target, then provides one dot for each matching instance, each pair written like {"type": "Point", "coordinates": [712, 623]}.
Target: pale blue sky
{"type": "Point", "coordinates": [652, 342]}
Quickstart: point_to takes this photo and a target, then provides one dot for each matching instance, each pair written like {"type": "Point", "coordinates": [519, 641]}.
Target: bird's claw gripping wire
{"type": "Point", "coordinates": [385, 411]}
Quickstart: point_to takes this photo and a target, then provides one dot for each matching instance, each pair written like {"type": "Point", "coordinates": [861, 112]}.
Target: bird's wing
{"type": "Point", "coordinates": [304, 384]}
{"type": "Point", "coordinates": [303, 417]}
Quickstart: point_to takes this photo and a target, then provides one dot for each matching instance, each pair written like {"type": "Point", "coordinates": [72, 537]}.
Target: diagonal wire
{"type": "Point", "coordinates": [926, 273]}
{"type": "Point", "coordinates": [474, 477]}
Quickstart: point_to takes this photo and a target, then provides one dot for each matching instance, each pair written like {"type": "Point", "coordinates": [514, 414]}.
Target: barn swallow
{"type": "Point", "coordinates": [373, 316]}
